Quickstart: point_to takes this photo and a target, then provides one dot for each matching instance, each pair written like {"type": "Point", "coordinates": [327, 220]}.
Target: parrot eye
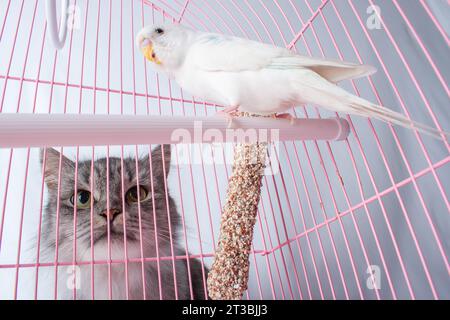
{"type": "Point", "coordinates": [159, 31]}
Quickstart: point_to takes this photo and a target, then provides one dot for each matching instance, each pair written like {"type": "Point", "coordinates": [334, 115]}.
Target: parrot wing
{"type": "Point", "coordinates": [216, 52]}
{"type": "Point", "coordinates": [332, 70]}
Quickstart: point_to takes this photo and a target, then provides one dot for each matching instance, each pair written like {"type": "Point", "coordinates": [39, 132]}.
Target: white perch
{"type": "Point", "coordinates": [38, 130]}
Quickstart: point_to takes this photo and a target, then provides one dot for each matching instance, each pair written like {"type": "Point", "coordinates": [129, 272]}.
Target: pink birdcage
{"type": "Point", "coordinates": [363, 216]}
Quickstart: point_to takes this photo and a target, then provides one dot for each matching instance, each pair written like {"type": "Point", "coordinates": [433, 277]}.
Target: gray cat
{"type": "Point", "coordinates": [124, 196]}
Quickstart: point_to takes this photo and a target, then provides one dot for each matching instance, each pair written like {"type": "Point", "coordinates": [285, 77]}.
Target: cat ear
{"type": "Point", "coordinates": [51, 170]}
{"type": "Point", "coordinates": [157, 160]}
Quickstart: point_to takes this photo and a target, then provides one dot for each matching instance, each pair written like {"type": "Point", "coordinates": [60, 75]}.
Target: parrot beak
{"type": "Point", "coordinates": [146, 47]}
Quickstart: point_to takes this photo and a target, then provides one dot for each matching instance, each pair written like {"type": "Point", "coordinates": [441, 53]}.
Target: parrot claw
{"type": "Point", "coordinates": [229, 114]}
{"type": "Point", "coordinates": [286, 116]}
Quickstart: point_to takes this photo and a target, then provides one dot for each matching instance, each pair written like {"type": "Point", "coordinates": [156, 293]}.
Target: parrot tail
{"type": "Point", "coordinates": [324, 93]}
{"type": "Point", "coordinates": [365, 108]}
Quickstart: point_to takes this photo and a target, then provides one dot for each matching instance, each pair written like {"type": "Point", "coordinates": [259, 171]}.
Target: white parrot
{"type": "Point", "coordinates": [259, 78]}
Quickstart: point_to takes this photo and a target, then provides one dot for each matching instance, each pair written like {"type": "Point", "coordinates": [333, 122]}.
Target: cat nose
{"type": "Point", "coordinates": [112, 213]}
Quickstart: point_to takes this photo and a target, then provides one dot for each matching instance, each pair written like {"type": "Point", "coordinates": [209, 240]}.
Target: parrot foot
{"type": "Point", "coordinates": [229, 113]}
{"type": "Point", "coordinates": [286, 116]}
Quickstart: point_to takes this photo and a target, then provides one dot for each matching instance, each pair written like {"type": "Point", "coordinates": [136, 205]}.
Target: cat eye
{"type": "Point", "coordinates": [132, 194]}
{"type": "Point", "coordinates": [83, 199]}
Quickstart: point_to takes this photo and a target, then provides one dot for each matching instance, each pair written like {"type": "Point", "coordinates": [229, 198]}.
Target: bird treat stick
{"type": "Point", "coordinates": [228, 277]}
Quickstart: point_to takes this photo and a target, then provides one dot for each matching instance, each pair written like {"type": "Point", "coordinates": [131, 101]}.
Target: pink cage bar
{"type": "Point", "coordinates": [362, 218]}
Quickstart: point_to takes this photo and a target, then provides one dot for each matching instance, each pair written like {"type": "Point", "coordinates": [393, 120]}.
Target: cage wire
{"type": "Point", "coordinates": [363, 218]}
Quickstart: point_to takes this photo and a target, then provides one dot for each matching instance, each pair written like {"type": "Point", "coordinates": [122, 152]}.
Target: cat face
{"type": "Point", "coordinates": [124, 210]}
